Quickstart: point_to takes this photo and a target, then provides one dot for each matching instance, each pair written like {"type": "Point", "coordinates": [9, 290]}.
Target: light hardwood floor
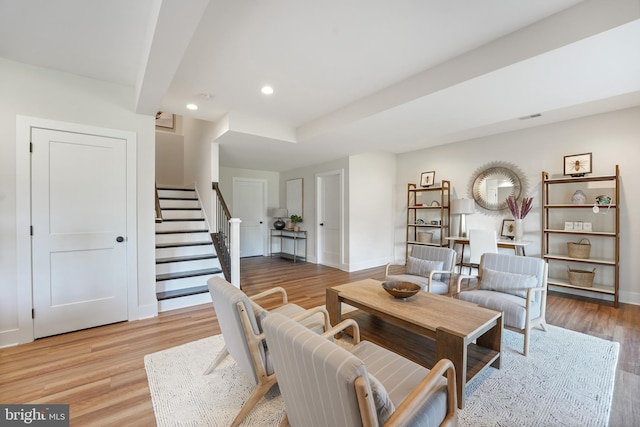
{"type": "Point", "coordinates": [100, 371]}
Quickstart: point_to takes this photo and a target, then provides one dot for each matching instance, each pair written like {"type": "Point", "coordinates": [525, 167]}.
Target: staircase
{"type": "Point", "coordinates": [185, 255]}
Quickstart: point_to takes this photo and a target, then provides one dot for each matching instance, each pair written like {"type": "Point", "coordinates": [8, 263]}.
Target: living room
{"type": "Point", "coordinates": [374, 199]}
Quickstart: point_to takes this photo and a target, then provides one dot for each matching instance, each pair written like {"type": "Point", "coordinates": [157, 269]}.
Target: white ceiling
{"type": "Point", "coordinates": [349, 76]}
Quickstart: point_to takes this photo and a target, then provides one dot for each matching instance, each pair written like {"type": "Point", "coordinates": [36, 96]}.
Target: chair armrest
{"type": "Point", "coordinates": [462, 277]}
{"type": "Point", "coordinates": [386, 269]}
{"type": "Point", "coordinates": [341, 327]}
{"type": "Point", "coordinates": [423, 391]}
{"type": "Point", "coordinates": [313, 311]}
{"type": "Point", "coordinates": [271, 291]}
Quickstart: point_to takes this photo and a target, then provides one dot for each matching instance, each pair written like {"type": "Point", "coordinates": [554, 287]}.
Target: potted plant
{"type": "Point", "coordinates": [295, 220]}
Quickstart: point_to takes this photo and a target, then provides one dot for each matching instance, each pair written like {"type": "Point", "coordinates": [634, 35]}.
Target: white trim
{"type": "Point", "coordinates": [24, 124]}
{"type": "Point", "coordinates": [340, 172]}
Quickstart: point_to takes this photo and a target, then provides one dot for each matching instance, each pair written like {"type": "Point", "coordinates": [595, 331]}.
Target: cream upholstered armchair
{"type": "Point", "coordinates": [430, 267]}
{"type": "Point", "coordinates": [323, 384]}
{"type": "Point", "coordinates": [514, 285]}
{"type": "Point", "coordinates": [240, 320]}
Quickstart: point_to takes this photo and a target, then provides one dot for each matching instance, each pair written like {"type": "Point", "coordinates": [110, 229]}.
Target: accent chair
{"type": "Point", "coordinates": [240, 319]}
{"type": "Point", "coordinates": [429, 267]}
{"type": "Point", "coordinates": [324, 384]}
{"type": "Point", "coordinates": [514, 285]}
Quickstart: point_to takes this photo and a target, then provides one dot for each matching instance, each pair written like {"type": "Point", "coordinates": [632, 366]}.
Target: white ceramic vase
{"type": "Point", "coordinates": [519, 229]}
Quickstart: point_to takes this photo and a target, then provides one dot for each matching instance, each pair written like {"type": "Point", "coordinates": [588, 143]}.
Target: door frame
{"type": "Point", "coordinates": [319, 177]}
{"type": "Point", "coordinates": [24, 124]}
{"type": "Point", "coordinates": [263, 206]}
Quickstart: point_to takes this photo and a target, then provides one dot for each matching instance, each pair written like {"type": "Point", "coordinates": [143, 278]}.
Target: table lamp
{"type": "Point", "coordinates": [279, 213]}
{"type": "Point", "coordinates": [463, 207]}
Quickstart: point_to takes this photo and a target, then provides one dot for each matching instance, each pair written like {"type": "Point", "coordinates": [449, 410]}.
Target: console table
{"type": "Point", "coordinates": [297, 238]}
{"type": "Point", "coordinates": [517, 246]}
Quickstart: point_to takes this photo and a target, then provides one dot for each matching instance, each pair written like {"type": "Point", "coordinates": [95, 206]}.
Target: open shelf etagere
{"type": "Point", "coordinates": [420, 207]}
{"type": "Point", "coordinates": [605, 237]}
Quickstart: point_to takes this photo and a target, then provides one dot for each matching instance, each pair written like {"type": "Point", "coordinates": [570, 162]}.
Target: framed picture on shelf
{"type": "Point", "coordinates": [508, 228]}
{"type": "Point", "coordinates": [427, 178]}
{"type": "Point", "coordinates": [577, 164]}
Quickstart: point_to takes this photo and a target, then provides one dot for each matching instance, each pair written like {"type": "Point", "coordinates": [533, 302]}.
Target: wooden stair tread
{"type": "Point", "coordinates": [185, 258]}
{"type": "Point", "coordinates": [182, 292]}
{"type": "Point", "coordinates": [181, 219]}
{"type": "Point", "coordinates": [180, 209]}
{"type": "Point", "coordinates": [178, 198]}
{"type": "Point", "coordinates": [185, 274]}
{"type": "Point", "coordinates": [175, 189]}
{"type": "Point", "coordinates": [179, 244]}
{"type": "Point", "coordinates": [182, 231]}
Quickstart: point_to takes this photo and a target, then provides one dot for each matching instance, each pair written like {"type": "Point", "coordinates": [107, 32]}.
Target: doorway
{"type": "Point", "coordinates": [329, 191]}
{"type": "Point", "coordinates": [77, 268]}
{"type": "Point", "coordinates": [249, 204]}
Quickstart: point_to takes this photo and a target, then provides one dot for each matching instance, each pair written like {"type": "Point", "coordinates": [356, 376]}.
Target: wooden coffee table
{"type": "Point", "coordinates": [465, 333]}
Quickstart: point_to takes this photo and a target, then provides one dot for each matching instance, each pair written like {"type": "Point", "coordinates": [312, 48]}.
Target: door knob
{"type": "Point", "coordinates": [322, 224]}
{"type": "Point", "coordinates": [260, 222]}
{"type": "Point", "coordinates": [119, 239]}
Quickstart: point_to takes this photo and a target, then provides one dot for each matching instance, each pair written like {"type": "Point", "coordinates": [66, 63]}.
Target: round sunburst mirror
{"type": "Point", "coordinates": [491, 184]}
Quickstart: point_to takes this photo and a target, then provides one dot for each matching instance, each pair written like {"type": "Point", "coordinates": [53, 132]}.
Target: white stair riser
{"type": "Point", "coordinates": [190, 301]}
{"type": "Point", "coordinates": [179, 204]}
{"type": "Point", "coordinates": [184, 251]}
{"type": "Point", "coordinates": [176, 193]}
{"type": "Point", "coordinates": [181, 225]}
{"type": "Point", "coordinates": [187, 282]}
{"type": "Point", "coordinates": [183, 237]}
{"type": "Point", "coordinates": [176, 267]}
{"type": "Point", "coordinates": [179, 214]}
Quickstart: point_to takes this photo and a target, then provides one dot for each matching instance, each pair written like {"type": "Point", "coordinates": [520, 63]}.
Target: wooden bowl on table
{"type": "Point", "coordinates": [401, 289]}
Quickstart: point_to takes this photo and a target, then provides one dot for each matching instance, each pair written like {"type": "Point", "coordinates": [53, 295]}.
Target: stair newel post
{"type": "Point", "coordinates": [234, 251]}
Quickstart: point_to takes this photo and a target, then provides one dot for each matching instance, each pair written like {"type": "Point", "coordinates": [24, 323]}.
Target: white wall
{"type": "Point", "coordinates": [169, 159]}
{"type": "Point", "coordinates": [612, 138]}
{"type": "Point", "coordinates": [41, 93]}
{"type": "Point", "coordinates": [201, 162]}
{"type": "Point", "coordinates": [371, 209]}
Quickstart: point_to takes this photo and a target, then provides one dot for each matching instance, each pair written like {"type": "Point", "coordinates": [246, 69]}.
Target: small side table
{"type": "Point", "coordinates": [299, 238]}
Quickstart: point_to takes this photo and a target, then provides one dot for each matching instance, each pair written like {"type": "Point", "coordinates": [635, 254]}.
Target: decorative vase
{"type": "Point", "coordinates": [279, 224]}
{"type": "Point", "coordinates": [579, 198]}
{"type": "Point", "coordinates": [296, 228]}
{"type": "Point", "coordinates": [289, 225]}
{"type": "Point", "coordinates": [519, 229]}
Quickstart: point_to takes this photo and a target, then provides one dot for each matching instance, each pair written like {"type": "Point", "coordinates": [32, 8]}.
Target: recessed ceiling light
{"type": "Point", "coordinates": [267, 90]}
{"type": "Point", "coordinates": [192, 106]}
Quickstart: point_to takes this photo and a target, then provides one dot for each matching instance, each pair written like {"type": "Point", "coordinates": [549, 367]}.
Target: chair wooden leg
{"type": "Point", "coordinates": [219, 358]}
{"type": "Point", "coordinates": [257, 394]}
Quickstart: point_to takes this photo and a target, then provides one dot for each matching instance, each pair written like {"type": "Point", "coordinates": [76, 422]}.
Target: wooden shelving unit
{"type": "Point", "coordinates": [604, 236]}
{"type": "Point", "coordinates": [428, 211]}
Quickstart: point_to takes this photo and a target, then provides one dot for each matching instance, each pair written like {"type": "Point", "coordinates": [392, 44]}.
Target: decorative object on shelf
{"type": "Point", "coordinates": [401, 289]}
{"type": "Point", "coordinates": [579, 198]}
{"type": "Point", "coordinates": [577, 165]}
{"type": "Point", "coordinates": [295, 220]}
{"type": "Point", "coordinates": [425, 236]}
{"type": "Point", "coordinates": [581, 277]}
{"type": "Point", "coordinates": [279, 213]}
{"type": "Point", "coordinates": [587, 226]}
{"type": "Point", "coordinates": [427, 178]}
{"type": "Point", "coordinates": [579, 250]}
{"type": "Point", "coordinates": [419, 221]}
{"type": "Point", "coordinates": [491, 184]}
{"type": "Point", "coordinates": [603, 200]}
{"type": "Point", "coordinates": [568, 226]}
{"type": "Point", "coordinates": [519, 213]}
{"type": "Point", "coordinates": [463, 207]}
{"type": "Point", "coordinates": [508, 228]}
{"type": "Point", "coordinates": [435, 204]}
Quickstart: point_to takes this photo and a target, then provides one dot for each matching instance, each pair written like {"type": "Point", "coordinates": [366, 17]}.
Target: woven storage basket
{"type": "Point", "coordinates": [425, 236]}
{"type": "Point", "coordinates": [579, 250]}
{"type": "Point", "coordinates": [581, 277]}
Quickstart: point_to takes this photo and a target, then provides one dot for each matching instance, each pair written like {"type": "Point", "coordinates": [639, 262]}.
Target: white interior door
{"type": "Point", "coordinates": [78, 217]}
{"type": "Point", "coordinates": [249, 204]}
{"type": "Point", "coordinates": [329, 193]}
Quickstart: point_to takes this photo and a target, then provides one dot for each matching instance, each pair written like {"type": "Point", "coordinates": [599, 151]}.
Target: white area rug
{"type": "Point", "coordinates": [567, 380]}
